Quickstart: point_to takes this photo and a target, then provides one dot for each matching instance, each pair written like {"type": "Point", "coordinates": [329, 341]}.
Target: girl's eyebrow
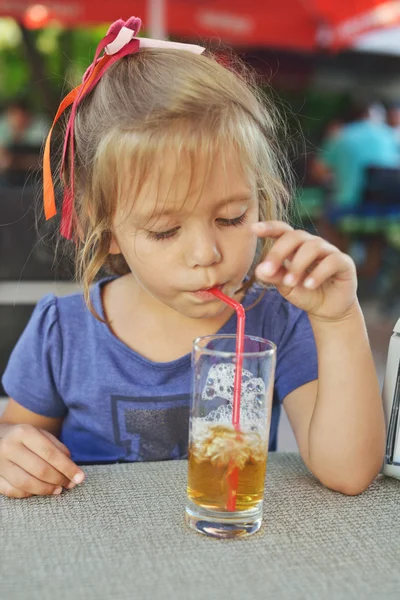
{"type": "Point", "coordinates": [242, 197]}
{"type": "Point", "coordinates": [245, 196]}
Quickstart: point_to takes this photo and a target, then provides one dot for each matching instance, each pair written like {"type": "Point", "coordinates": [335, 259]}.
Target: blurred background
{"type": "Point", "coordinates": [332, 68]}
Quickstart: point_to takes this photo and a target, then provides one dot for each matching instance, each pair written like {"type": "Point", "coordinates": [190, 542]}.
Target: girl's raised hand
{"type": "Point", "coordinates": [308, 271]}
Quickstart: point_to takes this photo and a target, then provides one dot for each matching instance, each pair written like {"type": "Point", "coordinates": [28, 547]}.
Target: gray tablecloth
{"type": "Point", "coordinates": [122, 536]}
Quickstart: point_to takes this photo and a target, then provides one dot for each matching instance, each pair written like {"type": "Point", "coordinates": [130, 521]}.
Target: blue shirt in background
{"type": "Point", "coordinates": [119, 406]}
{"type": "Point", "coordinates": [358, 146]}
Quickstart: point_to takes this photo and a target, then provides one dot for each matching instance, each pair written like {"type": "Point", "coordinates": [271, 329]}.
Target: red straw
{"type": "Point", "coordinates": [237, 386]}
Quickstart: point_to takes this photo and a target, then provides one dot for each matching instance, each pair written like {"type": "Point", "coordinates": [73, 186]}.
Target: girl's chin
{"type": "Point", "coordinates": [200, 309]}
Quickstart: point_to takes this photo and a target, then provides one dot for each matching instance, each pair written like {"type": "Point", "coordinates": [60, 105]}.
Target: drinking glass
{"type": "Point", "coordinates": [227, 464]}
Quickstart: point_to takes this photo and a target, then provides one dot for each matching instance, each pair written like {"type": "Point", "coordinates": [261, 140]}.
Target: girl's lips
{"type": "Point", "coordinates": [206, 294]}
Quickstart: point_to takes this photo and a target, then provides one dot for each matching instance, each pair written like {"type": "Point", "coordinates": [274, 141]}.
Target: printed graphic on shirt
{"type": "Point", "coordinates": [151, 428]}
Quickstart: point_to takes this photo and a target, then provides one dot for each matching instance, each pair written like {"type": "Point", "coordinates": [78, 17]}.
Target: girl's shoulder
{"type": "Point", "coordinates": [68, 313]}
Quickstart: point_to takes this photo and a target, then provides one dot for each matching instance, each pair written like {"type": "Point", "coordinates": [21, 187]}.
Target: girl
{"type": "Point", "coordinates": [173, 182]}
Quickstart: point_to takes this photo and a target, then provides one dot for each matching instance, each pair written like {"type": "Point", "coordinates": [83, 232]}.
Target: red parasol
{"type": "Point", "coordinates": [72, 12]}
{"type": "Point", "coordinates": [305, 25]}
{"type": "Point", "coordinates": [292, 24]}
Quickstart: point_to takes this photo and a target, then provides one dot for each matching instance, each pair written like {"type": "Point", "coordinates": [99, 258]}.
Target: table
{"type": "Point", "coordinates": [122, 536]}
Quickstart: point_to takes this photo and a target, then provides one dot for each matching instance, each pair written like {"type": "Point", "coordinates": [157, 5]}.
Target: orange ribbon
{"type": "Point", "coordinates": [48, 187]}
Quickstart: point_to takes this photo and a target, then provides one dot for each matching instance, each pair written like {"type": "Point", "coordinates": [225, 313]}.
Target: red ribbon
{"type": "Point", "coordinates": [91, 77]}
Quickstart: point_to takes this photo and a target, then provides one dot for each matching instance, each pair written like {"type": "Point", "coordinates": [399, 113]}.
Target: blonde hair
{"type": "Point", "coordinates": [153, 102]}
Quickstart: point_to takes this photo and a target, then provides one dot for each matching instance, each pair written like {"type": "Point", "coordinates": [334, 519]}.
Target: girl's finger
{"type": "Point", "coordinates": [25, 482]}
{"type": "Point", "coordinates": [36, 466]}
{"type": "Point", "coordinates": [275, 279]}
{"type": "Point", "coordinates": [309, 253]}
{"type": "Point", "coordinates": [270, 228]}
{"type": "Point", "coordinates": [282, 250]}
{"type": "Point", "coordinates": [44, 447]}
{"type": "Point", "coordinates": [7, 489]}
{"type": "Point", "coordinates": [333, 264]}
{"type": "Point", "coordinates": [56, 442]}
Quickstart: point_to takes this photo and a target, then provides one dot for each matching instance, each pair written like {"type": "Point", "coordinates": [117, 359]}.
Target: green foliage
{"type": "Point", "coordinates": [65, 54]}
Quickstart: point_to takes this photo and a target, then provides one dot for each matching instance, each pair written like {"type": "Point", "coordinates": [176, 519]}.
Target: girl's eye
{"type": "Point", "coordinates": [166, 235]}
{"type": "Point", "coordinates": [161, 235]}
{"type": "Point", "coordinates": [233, 222]}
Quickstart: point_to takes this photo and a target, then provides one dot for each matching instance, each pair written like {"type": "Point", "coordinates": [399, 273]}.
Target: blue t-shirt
{"type": "Point", "coordinates": [116, 404]}
{"type": "Point", "coordinates": [359, 145]}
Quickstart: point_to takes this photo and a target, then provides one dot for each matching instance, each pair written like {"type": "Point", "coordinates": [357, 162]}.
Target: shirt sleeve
{"type": "Point", "coordinates": [33, 371]}
{"type": "Point", "coordinates": [296, 359]}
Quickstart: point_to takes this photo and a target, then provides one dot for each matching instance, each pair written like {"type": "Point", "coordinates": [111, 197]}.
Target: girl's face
{"type": "Point", "coordinates": [188, 230]}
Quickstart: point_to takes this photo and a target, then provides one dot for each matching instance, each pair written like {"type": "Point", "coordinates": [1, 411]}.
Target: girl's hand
{"type": "Point", "coordinates": [308, 271]}
{"type": "Point", "coordinates": [33, 462]}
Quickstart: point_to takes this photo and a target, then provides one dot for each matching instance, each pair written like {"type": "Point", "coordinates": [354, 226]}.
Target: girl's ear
{"type": "Point", "coordinates": [114, 247]}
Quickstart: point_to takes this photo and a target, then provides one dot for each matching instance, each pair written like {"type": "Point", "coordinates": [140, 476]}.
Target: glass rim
{"type": "Point", "coordinates": [224, 354]}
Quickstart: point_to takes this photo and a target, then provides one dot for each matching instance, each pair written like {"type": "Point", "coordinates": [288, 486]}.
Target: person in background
{"type": "Point", "coordinates": [21, 137]}
{"type": "Point", "coordinates": [362, 142]}
{"type": "Point", "coordinates": [393, 119]}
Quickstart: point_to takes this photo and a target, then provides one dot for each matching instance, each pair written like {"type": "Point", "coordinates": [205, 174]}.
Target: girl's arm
{"type": "Point", "coordinates": [338, 420]}
{"type": "Point", "coordinates": [15, 414]}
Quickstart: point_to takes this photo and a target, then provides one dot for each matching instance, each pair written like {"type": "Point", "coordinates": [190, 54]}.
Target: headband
{"type": "Point", "coordinates": [120, 40]}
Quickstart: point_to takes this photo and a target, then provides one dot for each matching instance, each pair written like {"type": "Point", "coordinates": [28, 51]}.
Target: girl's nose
{"type": "Point", "coordinates": [202, 249]}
